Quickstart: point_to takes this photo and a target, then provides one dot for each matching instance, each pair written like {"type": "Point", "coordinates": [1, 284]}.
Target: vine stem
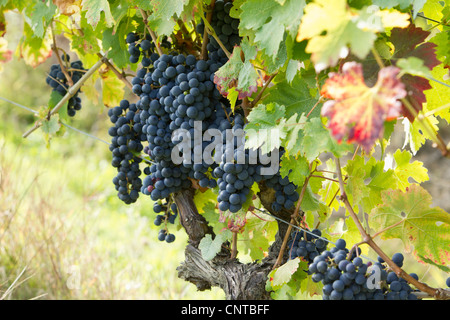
{"type": "Point", "coordinates": [439, 294]}
{"type": "Point", "coordinates": [205, 32]}
{"type": "Point", "coordinates": [292, 222]}
{"type": "Point", "coordinates": [56, 51]}
{"type": "Point", "coordinates": [211, 31]}
{"type": "Point", "coordinates": [259, 96]}
{"type": "Point", "coordinates": [70, 93]}
{"type": "Point", "coordinates": [152, 33]}
{"type": "Point", "coordinates": [120, 75]}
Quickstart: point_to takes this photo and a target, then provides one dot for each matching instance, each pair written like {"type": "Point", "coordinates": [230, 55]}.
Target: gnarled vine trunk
{"type": "Point", "coordinates": [238, 280]}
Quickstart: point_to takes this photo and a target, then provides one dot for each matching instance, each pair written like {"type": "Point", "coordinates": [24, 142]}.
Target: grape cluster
{"type": "Point", "coordinates": [125, 143]}
{"type": "Point", "coordinates": [306, 245]}
{"type": "Point", "coordinates": [226, 29]}
{"type": "Point", "coordinates": [286, 192]}
{"type": "Point", "coordinates": [57, 80]}
{"type": "Point", "coordinates": [175, 93]}
{"type": "Point", "coordinates": [143, 47]}
{"type": "Point", "coordinates": [346, 277]}
{"type": "Point", "coordinates": [166, 214]}
{"type": "Point", "coordinates": [235, 175]}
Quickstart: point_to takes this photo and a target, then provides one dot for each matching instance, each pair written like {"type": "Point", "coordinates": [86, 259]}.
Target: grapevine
{"type": "Point", "coordinates": [251, 125]}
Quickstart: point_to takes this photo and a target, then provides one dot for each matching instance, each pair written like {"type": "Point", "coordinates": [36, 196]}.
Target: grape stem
{"type": "Point", "coordinates": [70, 93]}
{"type": "Point", "coordinates": [259, 96]}
{"type": "Point", "coordinates": [56, 51]}
{"type": "Point", "coordinates": [205, 32]}
{"type": "Point", "coordinates": [152, 33]}
{"type": "Point", "coordinates": [292, 222]}
{"type": "Point", "coordinates": [439, 294]}
{"type": "Point", "coordinates": [120, 75]}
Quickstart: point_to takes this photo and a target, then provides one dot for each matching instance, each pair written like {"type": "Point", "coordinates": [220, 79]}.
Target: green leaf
{"type": "Point", "coordinates": [51, 126]}
{"type": "Point", "coordinates": [268, 20]}
{"type": "Point", "coordinates": [405, 169]}
{"type": "Point", "coordinates": [209, 247]}
{"type": "Point", "coordinates": [415, 133]}
{"type": "Point", "coordinates": [296, 168]}
{"type": "Point", "coordinates": [266, 127]}
{"type": "Point", "coordinates": [438, 95]}
{"type": "Point", "coordinates": [332, 28]}
{"type": "Point", "coordinates": [257, 236]}
{"type": "Point", "coordinates": [366, 181]}
{"type": "Point", "coordinates": [409, 216]}
{"type": "Point", "coordinates": [94, 9]}
{"type": "Point", "coordinates": [41, 16]}
{"type": "Point", "coordinates": [298, 97]}
{"type": "Point", "coordinates": [287, 290]}
{"type": "Point", "coordinates": [238, 74]}
{"type": "Point", "coordinates": [112, 89]}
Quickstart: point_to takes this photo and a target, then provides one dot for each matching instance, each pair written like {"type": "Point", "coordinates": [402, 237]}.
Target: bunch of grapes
{"type": "Point", "coordinates": [345, 276]}
{"type": "Point", "coordinates": [226, 29]}
{"type": "Point", "coordinates": [177, 100]}
{"type": "Point", "coordinates": [138, 47]}
{"type": "Point", "coordinates": [166, 213]}
{"type": "Point", "coordinates": [126, 142]}
{"type": "Point", "coordinates": [306, 245]}
{"type": "Point", "coordinates": [58, 81]}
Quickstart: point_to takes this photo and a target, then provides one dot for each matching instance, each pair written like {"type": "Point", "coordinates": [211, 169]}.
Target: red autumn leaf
{"type": "Point", "coordinates": [409, 42]}
{"type": "Point", "coordinates": [406, 42]}
{"type": "Point", "coordinates": [357, 111]}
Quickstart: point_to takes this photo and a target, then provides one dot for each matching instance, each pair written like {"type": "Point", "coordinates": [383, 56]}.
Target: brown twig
{"type": "Point", "coordinates": [56, 51]}
{"type": "Point", "coordinates": [120, 75]}
{"type": "Point", "coordinates": [205, 31]}
{"type": "Point", "coordinates": [70, 93]}
{"type": "Point", "coordinates": [258, 97]}
{"type": "Point", "coordinates": [292, 222]}
{"type": "Point", "coordinates": [152, 33]}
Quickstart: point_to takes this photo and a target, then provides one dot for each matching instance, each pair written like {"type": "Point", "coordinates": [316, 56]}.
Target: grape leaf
{"type": "Point", "coordinates": [405, 169]}
{"type": "Point", "coordinates": [32, 49]}
{"type": "Point", "coordinates": [299, 96]}
{"type": "Point", "coordinates": [416, 134]}
{"type": "Point", "coordinates": [268, 20]}
{"type": "Point", "coordinates": [409, 216]}
{"type": "Point", "coordinates": [407, 42]}
{"type": "Point", "coordinates": [442, 41]}
{"type": "Point", "coordinates": [296, 168]}
{"type": "Point", "coordinates": [366, 180]}
{"type": "Point", "coordinates": [256, 237]}
{"type": "Point", "coordinates": [438, 95]}
{"type": "Point", "coordinates": [332, 27]}
{"type": "Point", "coordinates": [112, 89]}
{"type": "Point", "coordinates": [68, 7]}
{"type": "Point", "coordinates": [403, 4]}
{"type": "Point", "coordinates": [94, 9]}
{"type": "Point", "coordinates": [209, 247]}
{"type": "Point", "coordinates": [357, 111]}
{"type": "Point", "coordinates": [266, 127]}
{"type": "Point", "coordinates": [237, 73]}
{"type": "Point", "coordinates": [41, 15]}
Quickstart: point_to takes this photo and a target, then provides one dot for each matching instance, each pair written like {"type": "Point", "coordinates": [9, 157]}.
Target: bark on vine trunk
{"type": "Point", "coordinates": [238, 280]}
